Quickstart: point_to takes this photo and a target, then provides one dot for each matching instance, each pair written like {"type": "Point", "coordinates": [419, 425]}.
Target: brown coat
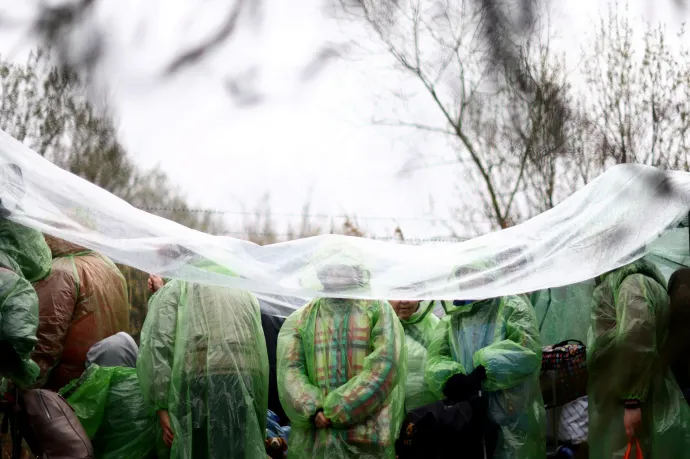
{"type": "Point", "coordinates": [83, 301]}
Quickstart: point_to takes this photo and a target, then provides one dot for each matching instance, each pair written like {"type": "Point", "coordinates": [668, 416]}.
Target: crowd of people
{"type": "Point", "coordinates": [356, 378]}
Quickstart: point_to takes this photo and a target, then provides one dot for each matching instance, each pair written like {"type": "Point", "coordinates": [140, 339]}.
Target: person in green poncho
{"type": "Point", "coordinates": [203, 367]}
{"type": "Point", "coordinates": [108, 402]}
{"type": "Point", "coordinates": [493, 346]}
{"type": "Point", "coordinates": [24, 258]}
{"type": "Point", "coordinates": [419, 322]}
{"type": "Point", "coordinates": [632, 394]}
{"type": "Point", "coordinates": [341, 372]}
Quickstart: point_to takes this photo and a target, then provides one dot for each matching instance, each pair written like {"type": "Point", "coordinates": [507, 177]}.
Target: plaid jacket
{"type": "Point", "coordinates": [346, 357]}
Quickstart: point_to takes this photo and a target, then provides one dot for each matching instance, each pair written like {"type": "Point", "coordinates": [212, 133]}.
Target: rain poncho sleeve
{"type": "Point", "coordinates": [636, 335]}
{"type": "Point", "coordinates": [440, 364]}
{"type": "Point", "coordinates": [19, 322]}
{"type": "Point", "coordinates": [364, 394]}
{"type": "Point", "coordinates": [58, 296]}
{"type": "Point", "coordinates": [157, 348]}
{"type": "Point", "coordinates": [299, 397]}
{"type": "Point", "coordinates": [516, 358]}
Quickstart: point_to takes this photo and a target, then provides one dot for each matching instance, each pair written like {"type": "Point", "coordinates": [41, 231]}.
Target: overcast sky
{"type": "Point", "coordinates": [306, 136]}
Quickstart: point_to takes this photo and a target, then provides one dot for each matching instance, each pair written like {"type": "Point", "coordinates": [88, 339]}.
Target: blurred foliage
{"type": "Point", "coordinates": [47, 109]}
{"type": "Point", "coordinates": [137, 288]}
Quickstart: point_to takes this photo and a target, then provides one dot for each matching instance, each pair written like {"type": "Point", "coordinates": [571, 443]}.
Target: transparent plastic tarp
{"type": "Point", "coordinates": [608, 223]}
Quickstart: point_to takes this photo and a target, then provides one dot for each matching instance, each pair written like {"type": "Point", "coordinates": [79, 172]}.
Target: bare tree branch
{"type": "Point", "coordinates": [194, 54]}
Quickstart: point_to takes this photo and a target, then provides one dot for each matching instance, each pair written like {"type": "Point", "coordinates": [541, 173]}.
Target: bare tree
{"type": "Point", "coordinates": [46, 108]}
{"type": "Point", "coordinates": [505, 117]}
{"type": "Point", "coordinates": [638, 92]}
{"type": "Point", "coordinates": [260, 227]}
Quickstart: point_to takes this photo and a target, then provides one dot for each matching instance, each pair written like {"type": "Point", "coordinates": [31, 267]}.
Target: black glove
{"type": "Point", "coordinates": [461, 387]}
{"type": "Point", "coordinates": [478, 376]}
{"type": "Point", "coordinates": [10, 360]}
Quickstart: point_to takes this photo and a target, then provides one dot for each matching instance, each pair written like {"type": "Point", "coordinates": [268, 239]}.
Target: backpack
{"type": "Point", "coordinates": [50, 427]}
{"type": "Point", "coordinates": [445, 429]}
{"type": "Point", "coordinates": [563, 373]}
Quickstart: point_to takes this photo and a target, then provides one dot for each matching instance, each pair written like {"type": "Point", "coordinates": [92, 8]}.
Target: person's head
{"type": "Point", "coordinates": [405, 308]}
{"type": "Point", "coordinates": [335, 277]}
{"type": "Point", "coordinates": [119, 350]}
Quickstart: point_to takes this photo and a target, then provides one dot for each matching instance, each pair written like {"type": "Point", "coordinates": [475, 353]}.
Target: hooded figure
{"type": "Point", "coordinates": [83, 301]}
{"type": "Point", "coordinates": [419, 322]}
{"type": "Point", "coordinates": [118, 350]}
{"type": "Point", "coordinates": [493, 346]}
{"type": "Point", "coordinates": [108, 401]}
{"type": "Point", "coordinates": [203, 367]}
{"type": "Point", "coordinates": [24, 258]}
{"type": "Point", "coordinates": [632, 393]}
{"type": "Point", "coordinates": [340, 362]}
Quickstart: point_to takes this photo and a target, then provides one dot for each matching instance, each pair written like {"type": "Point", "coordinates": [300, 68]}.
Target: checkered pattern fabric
{"type": "Point", "coordinates": [564, 366]}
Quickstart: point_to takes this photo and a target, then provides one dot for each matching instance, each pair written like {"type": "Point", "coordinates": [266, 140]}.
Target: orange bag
{"type": "Point", "coordinates": [628, 451]}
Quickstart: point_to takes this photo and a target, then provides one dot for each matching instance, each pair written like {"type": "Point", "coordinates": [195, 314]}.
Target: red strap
{"type": "Point", "coordinates": [628, 451]}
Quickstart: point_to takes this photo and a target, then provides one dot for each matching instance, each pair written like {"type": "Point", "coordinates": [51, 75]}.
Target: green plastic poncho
{"type": "Point", "coordinates": [203, 359]}
{"type": "Point", "coordinates": [346, 357]}
{"type": "Point", "coordinates": [109, 404]}
{"type": "Point", "coordinates": [419, 330]}
{"type": "Point", "coordinates": [501, 335]}
{"type": "Point", "coordinates": [24, 258]}
{"type": "Point", "coordinates": [563, 312]}
{"type": "Point", "coordinates": [629, 324]}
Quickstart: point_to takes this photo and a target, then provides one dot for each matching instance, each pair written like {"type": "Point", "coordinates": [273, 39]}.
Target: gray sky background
{"type": "Point", "coordinates": [306, 136]}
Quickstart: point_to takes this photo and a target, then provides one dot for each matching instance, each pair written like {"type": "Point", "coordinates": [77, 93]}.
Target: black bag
{"type": "Point", "coordinates": [50, 427]}
{"type": "Point", "coordinates": [446, 429]}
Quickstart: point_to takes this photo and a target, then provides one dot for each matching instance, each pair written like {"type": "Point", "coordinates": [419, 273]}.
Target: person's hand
{"type": "Point", "coordinates": [155, 283]}
{"type": "Point", "coordinates": [168, 436]}
{"type": "Point", "coordinates": [632, 420]}
{"type": "Point", "coordinates": [321, 421]}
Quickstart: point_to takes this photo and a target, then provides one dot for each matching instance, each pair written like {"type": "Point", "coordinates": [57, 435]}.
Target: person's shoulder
{"type": "Point", "coordinates": [62, 271]}
{"type": "Point", "coordinates": [174, 286]}
{"type": "Point", "coordinates": [13, 282]}
{"type": "Point", "coordinates": [643, 282]}
{"type": "Point", "coordinates": [520, 300]}
{"type": "Point", "coordinates": [517, 303]}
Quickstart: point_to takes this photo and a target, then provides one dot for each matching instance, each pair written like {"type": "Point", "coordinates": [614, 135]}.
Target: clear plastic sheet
{"type": "Point", "coordinates": [601, 227]}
